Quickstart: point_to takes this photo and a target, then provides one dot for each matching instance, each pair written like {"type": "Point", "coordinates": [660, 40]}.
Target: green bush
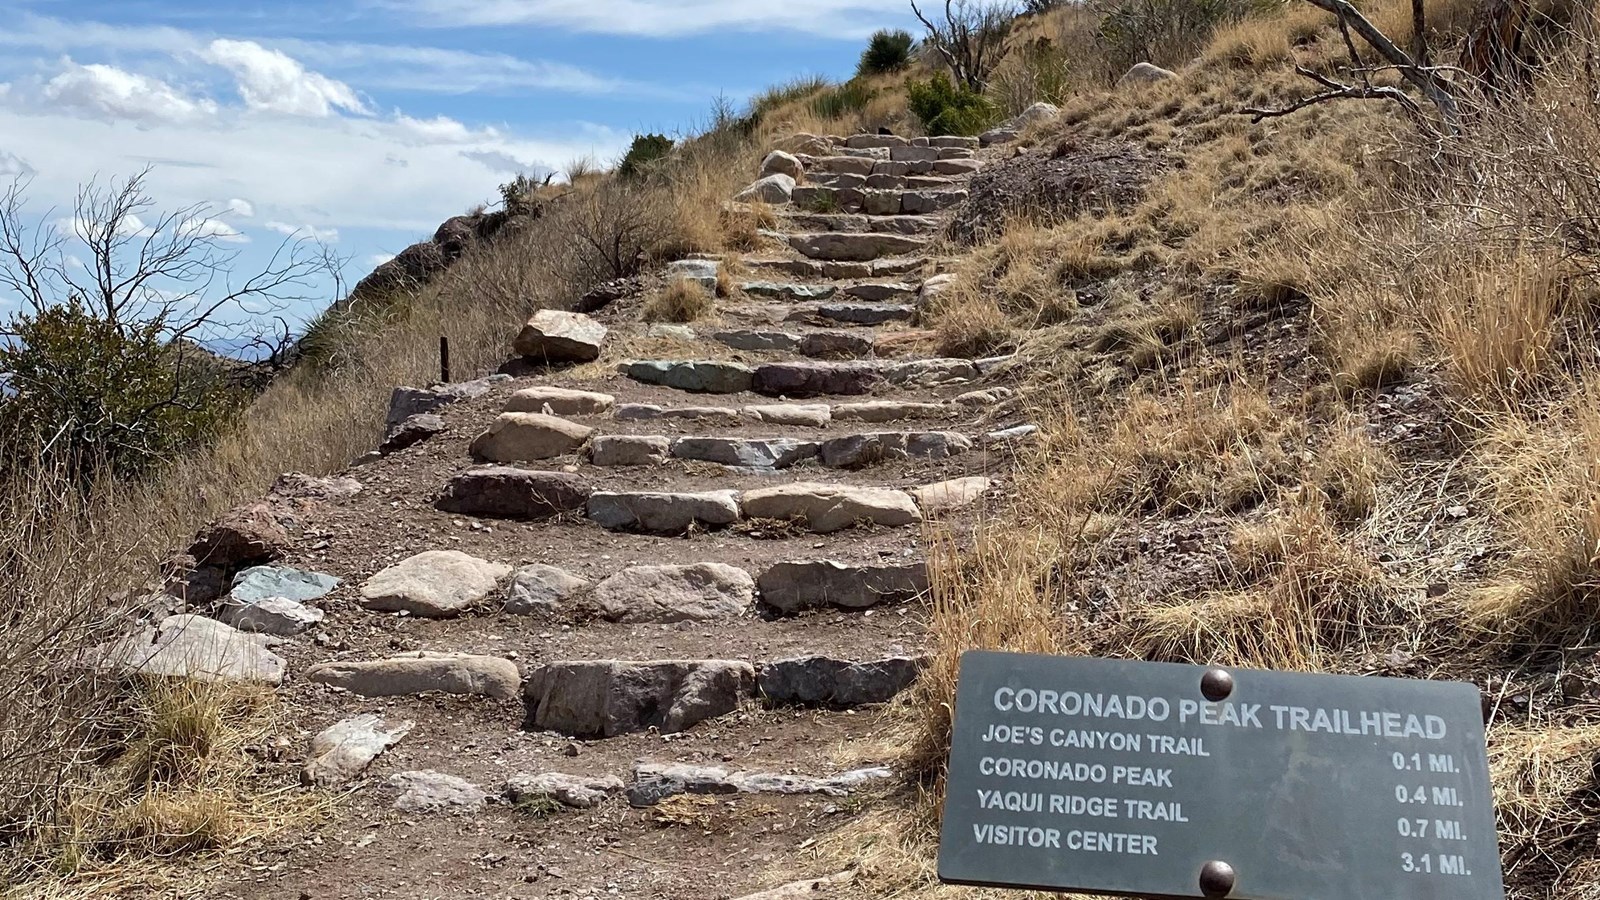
{"type": "Point", "coordinates": [106, 397]}
{"type": "Point", "coordinates": [646, 150]}
{"type": "Point", "coordinates": [887, 51]}
{"type": "Point", "coordinates": [944, 108]}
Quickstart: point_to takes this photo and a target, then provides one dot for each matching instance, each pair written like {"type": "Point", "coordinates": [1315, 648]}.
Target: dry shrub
{"type": "Point", "coordinates": [683, 300]}
{"type": "Point", "coordinates": [1544, 794]}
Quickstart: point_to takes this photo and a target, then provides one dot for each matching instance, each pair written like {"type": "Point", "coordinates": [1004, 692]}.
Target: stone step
{"type": "Point", "coordinates": [890, 267]}
{"type": "Point", "coordinates": [890, 201]}
{"type": "Point", "coordinates": [695, 376]}
{"type": "Point", "coordinates": [852, 451]}
{"type": "Point", "coordinates": [821, 507]}
{"type": "Point", "coordinates": [845, 247]}
{"type": "Point", "coordinates": [656, 512]}
{"type": "Point", "coordinates": [856, 313]}
{"type": "Point", "coordinates": [795, 587]}
{"type": "Point", "coordinates": [789, 292]}
{"type": "Point", "coordinates": [883, 291]}
{"type": "Point", "coordinates": [812, 415]}
{"type": "Point", "coordinates": [887, 176]}
{"type": "Point", "coordinates": [815, 344]}
{"type": "Point", "coordinates": [857, 223]}
{"type": "Point", "coordinates": [607, 698]}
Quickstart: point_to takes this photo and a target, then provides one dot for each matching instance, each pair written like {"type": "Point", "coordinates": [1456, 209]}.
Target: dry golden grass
{"type": "Point", "coordinates": [683, 300]}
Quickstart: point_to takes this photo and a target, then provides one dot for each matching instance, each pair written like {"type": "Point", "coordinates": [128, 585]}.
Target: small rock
{"type": "Point", "coordinates": [262, 582]}
{"type": "Point", "coordinates": [412, 432]}
{"type": "Point", "coordinates": [541, 590]}
{"type": "Point", "coordinates": [554, 401]}
{"type": "Point", "coordinates": [272, 615]}
{"type": "Point", "coordinates": [1145, 73]}
{"type": "Point", "coordinates": [1011, 435]}
{"type": "Point", "coordinates": [437, 584]}
{"type": "Point", "coordinates": [703, 271]}
{"type": "Point", "coordinates": [663, 513]}
{"type": "Point", "coordinates": [518, 437]}
{"type": "Point", "coordinates": [432, 792]}
{"type": "Point", "coordinates": [299, 486]}
{"type": "Point", "coordinates": [662, 594]}
{"type": "Point", "coordinates": [423, 672]}
{"type": "Point", "coordinates": [553, 336]}
{"type": "Point", "coordinates": [568, 790]}
{"type": "Point", "coordinates": [345, 750]}
{"type": "Point", "coordinates": [244, 536]}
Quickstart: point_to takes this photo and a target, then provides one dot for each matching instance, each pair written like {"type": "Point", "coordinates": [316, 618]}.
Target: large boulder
{"type": "Point", "coordinates": [507, 493]}
{"type": "Point", "coordinates": [437, 584]}
{"type": "Point", "coordinates": [422, 673]}
{"type": "Point", "coordinates": [245, 536]}
{"type": "Point", "coordinates": [781, 163]}
{"type": "Point", "coordinates": [1145, 73]}
{"type": "Point", "coordinates": [521, 437]}
{"type": "Point", "coordinates": [692, 593]}
{"type": "Point", "coordinates": [826, 508]}
{"type": "Point", "coordinates": [553, 336]}
{"type": "Point", "coordinates": [189, 646]}
{"type": "Point", "coordinates": [792, 587]}
{"type": "Point", "coordinates": [776, 189]}
{"type": "Point", "coordinates": [605, 698]}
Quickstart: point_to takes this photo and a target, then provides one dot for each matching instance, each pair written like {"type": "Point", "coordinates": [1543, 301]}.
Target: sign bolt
{"type": "Point", "coordinates": [1216, 685]}
{"type": "Point", "coordinates": [1217, 878]}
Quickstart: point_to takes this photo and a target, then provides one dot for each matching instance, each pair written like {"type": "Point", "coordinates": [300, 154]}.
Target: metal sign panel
{"type": "Point", "coordinates": [1159, 780]}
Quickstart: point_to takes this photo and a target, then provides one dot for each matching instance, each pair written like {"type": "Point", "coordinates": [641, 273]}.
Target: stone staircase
{"type": "Point", "coordinates": [640, 579]}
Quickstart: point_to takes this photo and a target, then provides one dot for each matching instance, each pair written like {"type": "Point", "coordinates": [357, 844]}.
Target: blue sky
{"type": "Point", "coordinates": [367, 122]}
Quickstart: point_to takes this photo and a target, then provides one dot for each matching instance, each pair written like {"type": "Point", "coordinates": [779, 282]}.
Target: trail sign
{"type": "Point", "coordinates": [1169, 781]}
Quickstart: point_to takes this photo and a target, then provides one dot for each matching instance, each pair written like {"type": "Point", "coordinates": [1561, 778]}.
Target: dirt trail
{"type": "Point", "coordinates": [808, 290]}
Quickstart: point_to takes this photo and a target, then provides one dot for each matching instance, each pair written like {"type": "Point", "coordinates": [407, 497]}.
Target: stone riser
{"type": "Point", "coordinates": [876, 203]}
{"type": "Point", "coordinates": [799, 379]}
{"type": "Point", "coordinates": [856, 451]}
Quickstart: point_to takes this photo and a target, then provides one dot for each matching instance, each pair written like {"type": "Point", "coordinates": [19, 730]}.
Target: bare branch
{"type": "Point", "coordinates": [1336, 91]}
{"type": "Point", "coordinates": [1432, 86]}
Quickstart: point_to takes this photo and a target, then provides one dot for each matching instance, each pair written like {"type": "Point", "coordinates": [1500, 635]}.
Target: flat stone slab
{"type": "Point", "coordinates": [826, 508]}
{"type": "Point", "coordinates": [191, 646]}
{"type": "Point", "coordinates": [508, 493]}
{"type": "Point", "coordinates": [554, 401]}
{"type": "Point", "coordinates": [863, 313]}
{"type": "Point", "coordinates": [422, 672]}
{"type": "Point", "coordinates": [436, 584]}
{"type": "Point", "coordinates": [260, 582]}
{"type": "Point", "coordinates": [629, 450]}
{"type": "Point", "coordinates": [520, 437]}
{"type": "Point", "coordinates": [820, 681]}
{"type": "Point", "coordinates": [605, 698]}
{"type": "Point", "coordinates": [882, 292]}
{"type": "Point", "coordinates": [792, 292]}
{"type": "Point", "coordinates": [343, 751]}
{"type": "Point", "coordinates": [412, 432]}
{"type": "Point", "coordinates": [749, 453]}
{"type": "Point", "coordinates": [813, 415]}
{"type": "Point", "coordinates": [757, 341]}
{"type": "Point", "coordinates": [836, 345]}
{"type": "Point", "coordinates": [1011, 435]}
{"type": "Point", "coordinates": [860, 450]}
{"type": "Point", "coordinates": [702, 271]}
{"type": "Point", "coordinates": [648, 411]}
{"type": "Point", "coordinates": [654, 782]}
{"type": "Point", "coordinates": [663, 513]}
{"type": "Point", "coordinates": [810, 379]}
{"type": "Point", "coordinates": [435, 792]}
{"type": "Point", "coordinates": [545, 591]}
{"type": "Point", "coordinates": [931, 372]}
{"type": "Point", "coordinates": [879, 411]}
{"type": "Point", "coordinates": [792, 587]}
{"type": "Point", "coordinates": [948, 496]}
{"type": "Point", "coordinates": [553, 336]}
{"type": "Point", "coordinates": [574, 791]}
{"type": "Point", "coordinates": [700, 592]}
{"type": "Point", "coordinates": [406, 402]}
{"type": "Point", "coordinates": [852, 247]}
{"type": "Point", "coordinates": [271, 615]}
{"type": "Point", "coordinates": [705, 377]}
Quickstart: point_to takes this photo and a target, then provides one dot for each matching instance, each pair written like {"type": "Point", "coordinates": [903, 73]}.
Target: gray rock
{"type": "Point", "coordinates": [670, 331]}
{"type": "Point", "coordinates": [758, 341]}
{"type": "Point", "coordinates": [503, 492]}
{"type": "Point", "coordinates": [629, 450]}
{"type": "Point", "coordinates": [931, 372]}
{"type": "Point", "coordinates": [299, 486]}
{"type": "Point", "coordinates": [541, 590]}
{"type": "Point", "coordinates": [936, 287]}
{"type": "Point", "coordinates": [838, 165]}
{"type": "Point", "coordinates": [775, 189]}
{"type": "Point", "coordinates": [789, 292]}
{"type": "Point", "coordinates": [809, 379]}
{"type": "Point", "coordinates": [881, 202]}
{"type": "Point", "coordinates": [343, 751]}
{"type": "Point", "coordinates": [837, 683]}
{"type": "Point", "coordinates": [1010, 435]}
{"type": "Point", "coordinates": [577, 792]}
{"type": "Point", "coordinates": [271, 615]}
{"type": "Point", "coordinates": [244, 536]}
{"type": "Point", "coordinates": [865, 141]}
{"type": "Point", "coordinates": [706, 377]}
{"type": "Point", "coordinates": [752, 453]}
{"type": "Point", "coordinates": [518, 437]}
{"type": "Point", "coordinates": [553, 336]}
{"type": "Point", "coordinates": [882, 291]}
{"type": "Point", "coordinates": [663, 594]}
{"type": "Point", "coordinates": [554, 401]}
{"type": "Point", "coordinates": [859, 450]}
{"type": "Point", "coordinates": [826, 508]}
{"type": "Point", "coordinates": [1013, 129]}
{"type": "Point", "coordinates": [406, 402]}
{"type": "Point", "coordinates": [412, 432]}
{"type": "Point", "coordinates": [987, 397]}
{"type": "Point", "coordinates": [878, 411]}
{"type": "Point", "coordinates": [647, 411]}
{"type": "Point", "coordinates": [836, 345]}
{"type": "Point", "coordinates": [914, 154]}
{"type": "Point", "coordinates": [654, 782]}
{"type": "Point", "coordinates": [814, 416]}
{"type": "Point", "coordinates": [422, 672]}
{"type": "Point", "coordinates": [953, 141]}
{"type": "Point", "coordinates": [847, 247]}
{"type": "Point", "coordinates": [1145, 73]}
{"type": "Point", "coordinates": [916, 203]}
{"type": "Point", "coordinates": [190, 646]}
{"type": "Point", "coordinates": [703, 271]}
{"type": "Point", "coordinates": [947, 496]}
{"type": "Point", "coordinates": [437, 584]}
{"type": "Point", "coordinates": [432, 792]}
{"type": "Point", "coordinates": [664, 513]}
{"type": "Point", "coordinates": [261, 582]}
{"type": "Point", "coordinates": [956, 167]}
{"type": "Point", "coordinates": [990, 364]}
{"type": "Point", "coordinates": [781, 163]}
{"type": "Point", "coordinates": [866, 314]}
{"type": "Point", "coordinates": [792, 587]}
{"type": "Point", "coordinates": [609, 697]}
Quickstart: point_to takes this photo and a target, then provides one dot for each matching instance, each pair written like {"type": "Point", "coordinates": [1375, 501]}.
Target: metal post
{"type": "Point", "coordinates": [444, 359]}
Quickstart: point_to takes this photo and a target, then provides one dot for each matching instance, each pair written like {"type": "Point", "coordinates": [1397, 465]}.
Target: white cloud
{"type": "Point", "coordinates": [244, 209]}
{"type": "Point", "coordinates": [272, 81]}
{"type": "Point", "coordinates": [212, 228]}
{"type": "Point", "coordinates": [108, 92]}
{"type": "Point", "coordinates": [378, 259]}
{"type": "Point", "coordinates": [441, 130]}
{"type": "Point", "coordinates": [129, 226]}
{"type": "Point", "coordinates": [12, 165]}
{"type": "Point", "coordinates": [324, 235]}
{"type": "Point", "coordinates": [846, 19]}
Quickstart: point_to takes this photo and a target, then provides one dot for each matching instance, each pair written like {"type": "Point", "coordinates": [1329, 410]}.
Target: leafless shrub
{"type": "Point", "coordinates": [970, 38]}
